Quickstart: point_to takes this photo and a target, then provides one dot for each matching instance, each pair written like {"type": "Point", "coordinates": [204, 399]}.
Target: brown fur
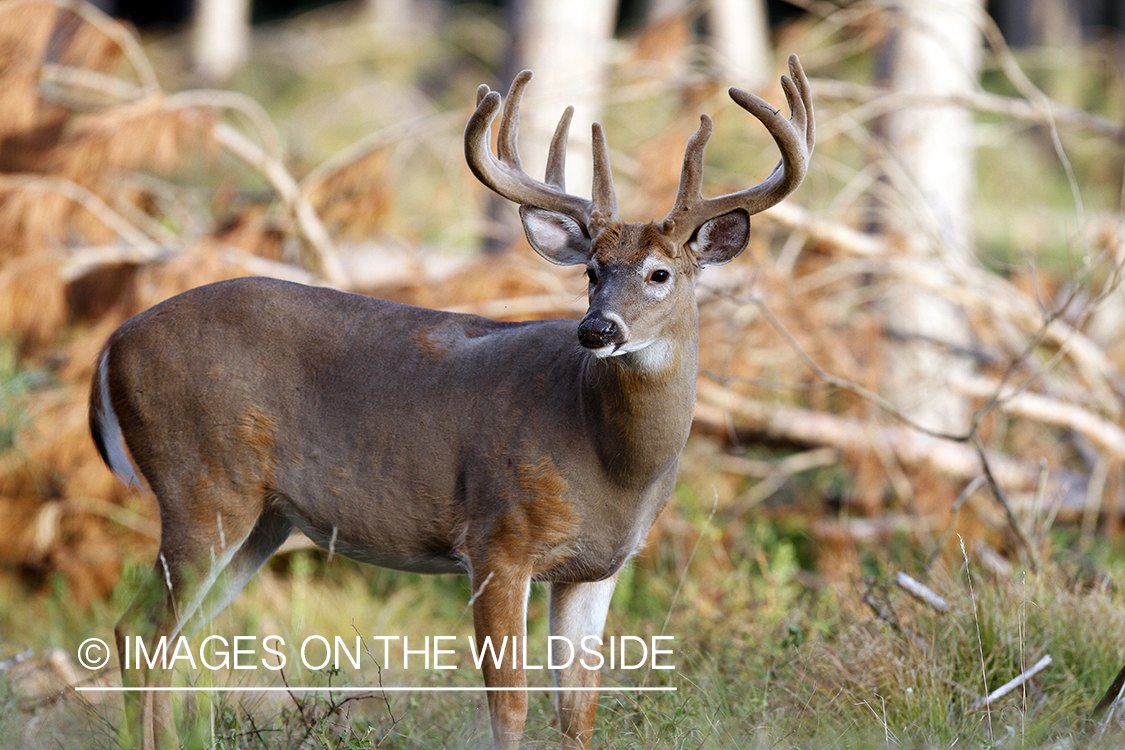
{"type": "Point", "coordinates": [629, 243]}
{"type": "Point", "coordinates": [429, 345]}
{"type": "Point", "coordinates": [527, 533]}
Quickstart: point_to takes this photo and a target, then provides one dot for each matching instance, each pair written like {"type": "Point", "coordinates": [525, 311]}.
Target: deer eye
{"type": "Point", "coordinates": [659, 276]}
{"type": "Point", "coordinates": [592, 275]}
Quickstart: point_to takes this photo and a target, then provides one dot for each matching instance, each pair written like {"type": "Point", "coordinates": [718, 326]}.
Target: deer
{"type": "Point", "coordinates": [433, 441]}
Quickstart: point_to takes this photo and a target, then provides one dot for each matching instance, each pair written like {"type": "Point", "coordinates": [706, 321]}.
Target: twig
{"type": "Point", "coordinates": [1011, 685]}
{"type": "Point", "coordinates": [972, 436]}
{"type": "Point", "coordinates": [120, 34]}
{"type": "Point", "coordinates": [954, 510]}
{"type": "Point", "coordinates": [883, 610]}
{"type": "Point", "coordinates": [882, 100]}
{"type": "Point", "coordinates": [1002, 498]}
{"type": "Point", "coordinates": [1040, 408]}
{"type": "Point", "coordinates": [780, 474]}
{"type": "Point", "coordinates": [90, 201]}
{"type": "Point", "coordinates": [54, 79]}
{"type": "Point", "coordinates": [973, 288]}
{"type": "Point", "coordinates": [290, 193]}
{"type": "Point", "coordinates": [921, 592]}
{"type": "Point", "coordinates": [378, 676]}
{"type": "Point", "coordinates": [232, 101]}
{"type": "Point", "coordinates": [817, 428]}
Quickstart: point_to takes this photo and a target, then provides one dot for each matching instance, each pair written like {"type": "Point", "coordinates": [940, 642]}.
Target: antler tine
{"type": "Point", "coordinates": [504, 175]}
{"type": "Point", "coordinates": [804, 91]}
{"type": "Point", "coordinates": [691, 178]}
{"type": "Point", "coordinates": [506, 147]}
{"type": "Point", "coordinates": [556, 155]}
{"type": "Point", "coordinates": [794, 137]}
{"type": "Point", "coordinates": [605, 199]}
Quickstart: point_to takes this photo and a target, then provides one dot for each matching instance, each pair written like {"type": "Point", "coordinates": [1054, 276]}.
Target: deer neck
{"type": "Point", "coordinates": [639, 406]}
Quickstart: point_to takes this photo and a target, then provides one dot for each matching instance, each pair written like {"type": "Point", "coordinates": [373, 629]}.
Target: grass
{"type": "Point", "coordinates": [764, 656]}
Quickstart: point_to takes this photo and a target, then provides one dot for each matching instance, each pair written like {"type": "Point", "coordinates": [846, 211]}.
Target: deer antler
{"type": "Point", "coordinates": [794, 137]}
{"type": "Point", "coordinates": [508, 179]}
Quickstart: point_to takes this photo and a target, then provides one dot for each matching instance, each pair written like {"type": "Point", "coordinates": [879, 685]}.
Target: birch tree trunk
{"type": "Point", "coordinates": [221, 37]}
{"type": "Point", "coordinates": [567, 45]}
{"type": "Point", "coordinates": [739, 32]}
{"type": "Point", "coordinates": [936, 50]}
{"type": "Point", "coordinates": [390, 15]}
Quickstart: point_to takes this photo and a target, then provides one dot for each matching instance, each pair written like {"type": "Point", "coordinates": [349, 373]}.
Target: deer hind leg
{"type": "Point", "coordinates": [578, 611]}
{"type": "Point", "coordinates": [500, 613]}
{"type": "Point", "coordinates": [195, 576]}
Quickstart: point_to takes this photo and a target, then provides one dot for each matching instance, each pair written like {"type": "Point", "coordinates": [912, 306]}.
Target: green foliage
{"type": "Point", "coordinates": [16, 381]}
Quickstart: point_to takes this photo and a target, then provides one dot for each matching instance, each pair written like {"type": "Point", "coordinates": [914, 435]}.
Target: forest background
{"type": "Point", "coordinates": [906, 480]}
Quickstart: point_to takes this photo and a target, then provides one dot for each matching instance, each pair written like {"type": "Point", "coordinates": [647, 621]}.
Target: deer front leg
{"type": "Point", "coordinates": [500, 614]}
{"type": "Point", "coordinates": [578, 611]}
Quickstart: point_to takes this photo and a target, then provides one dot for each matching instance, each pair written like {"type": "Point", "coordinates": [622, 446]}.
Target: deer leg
{"type": "Point", "coordinates": [152, 621]}
{"type": "Point", "coordinates": [194, 577]}
{"type": "Point", "coordinates": [578, 611]}
{"type": "Point", "coordinates": [147, 719]}
{"type": "Point", "coordinates": [500, 613]}
{"type": "Point", "coordinates": [269, 533]}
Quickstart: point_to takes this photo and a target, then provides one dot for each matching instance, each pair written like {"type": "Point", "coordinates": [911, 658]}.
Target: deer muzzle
{"type": "Point", "coordinates": [601, 333]}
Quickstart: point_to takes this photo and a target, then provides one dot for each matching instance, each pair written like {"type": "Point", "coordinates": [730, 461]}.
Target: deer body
{"type": "Point", "coordinates": [430, 441]}
{"type": "Point", "coordinates": [479, 413]}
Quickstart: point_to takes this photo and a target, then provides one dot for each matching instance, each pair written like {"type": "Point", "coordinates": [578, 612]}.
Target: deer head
{"type": "Point", "coordinates": [663, 257]}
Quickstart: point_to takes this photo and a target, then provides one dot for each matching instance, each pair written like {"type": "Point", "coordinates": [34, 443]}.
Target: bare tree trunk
{"type": "Point", "coordinates": [390, 15]}
{"type": "Point", "coordinates": [656, 10]}
{"type": "Point", "coordinates": [739, 32]}
{"type": "Point", "coordinates": [936, 50]}
{"type": "Point", "coordinates": [567, 45]}
{"type": "Point", "coordinates": [221, 30]}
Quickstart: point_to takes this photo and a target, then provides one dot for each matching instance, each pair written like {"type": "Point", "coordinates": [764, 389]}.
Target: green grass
{"type": "Point", "coordinates": [762, 658]}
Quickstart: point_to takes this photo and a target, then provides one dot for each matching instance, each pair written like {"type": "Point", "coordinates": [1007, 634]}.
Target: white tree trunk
{"type": "Point", "coordinates": [567, 45]}
{"type": "Point", "coordinates": [936, 51]}
{"type": "Point", "coordinates": [221, 37]}
{"type": "Point", "coordinates": [740, 35]}
{"type": "Point", "coordinates": [390, 15]}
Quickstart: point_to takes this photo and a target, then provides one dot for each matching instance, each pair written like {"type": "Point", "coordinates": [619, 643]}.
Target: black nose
{"type": "Point", "coordinates": [595, 332]}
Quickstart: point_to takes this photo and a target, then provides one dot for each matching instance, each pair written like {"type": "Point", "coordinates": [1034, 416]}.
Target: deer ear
{"type": "Point", "coordinates": [720, 240]}
{"type": "Point", "coordinates": [557, 237]}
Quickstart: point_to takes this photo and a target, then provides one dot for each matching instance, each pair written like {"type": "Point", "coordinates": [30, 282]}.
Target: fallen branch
{"type": "Point", "coordinates": [806, 427]}
{"type": "Point", "coordinates": [835, 234]}
{"type": "Point", "coordinates": [921, 591]}
{"type": "Point", "coordinates": [265, 155]}
{"type": "Point", "coordinates": [976, 289]}
{"type": "Point", "coordinates": [780, 473]}
{"type": "Point", "coordinates": [138, 247]}
{"type": "Point", "coordinates": [1008, 687]}
{"type": "Point", "coordinates": [881, 100]}
{"type": "Point", "coordinates": [1040, 408]}
{"type": "Point", "coordinates": [290, 193]}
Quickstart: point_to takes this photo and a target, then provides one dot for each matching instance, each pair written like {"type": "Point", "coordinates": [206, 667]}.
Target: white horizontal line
{"type": "Point", "coordinates": [438, 689]}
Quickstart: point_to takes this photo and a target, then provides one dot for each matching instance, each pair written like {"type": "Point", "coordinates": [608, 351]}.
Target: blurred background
{"type": "Point", "coordinates": [917, 365]}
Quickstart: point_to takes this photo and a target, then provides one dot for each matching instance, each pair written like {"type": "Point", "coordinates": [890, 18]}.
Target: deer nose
{"type": "Point", "coordinates": [595, 332]}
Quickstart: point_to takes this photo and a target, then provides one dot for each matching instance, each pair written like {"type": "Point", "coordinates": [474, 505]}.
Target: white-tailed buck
{"type": "Point", "coordinates": [430, 441]}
